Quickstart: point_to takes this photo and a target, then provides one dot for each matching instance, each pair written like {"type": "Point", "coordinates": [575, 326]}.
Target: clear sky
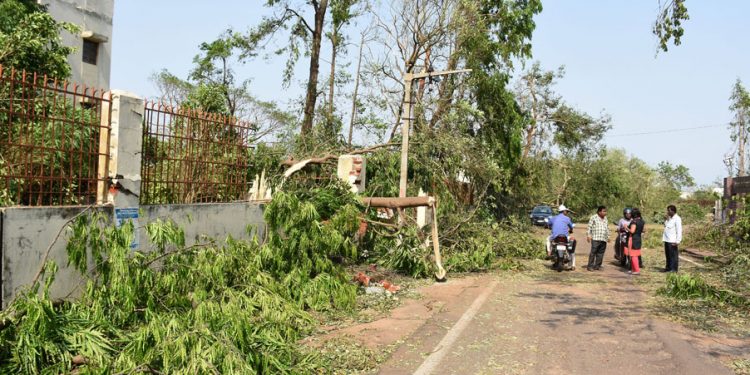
{"type": "Point", "coordinates": [606, 46]}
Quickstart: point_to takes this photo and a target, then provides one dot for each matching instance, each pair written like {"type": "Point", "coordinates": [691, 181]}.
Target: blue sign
{"type": "Point", "coordinates": [123, 215]}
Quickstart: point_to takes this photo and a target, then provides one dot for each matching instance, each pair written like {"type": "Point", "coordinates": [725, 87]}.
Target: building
{"type": "Point", "coordinates": [92, 59]}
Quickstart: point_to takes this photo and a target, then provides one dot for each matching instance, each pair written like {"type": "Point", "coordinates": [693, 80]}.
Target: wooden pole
{"type": "Point", "coordinates": [405, 202]}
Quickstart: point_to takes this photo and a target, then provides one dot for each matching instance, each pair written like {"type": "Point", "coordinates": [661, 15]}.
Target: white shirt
{"type": "Point", "coordinates": [673, 230]}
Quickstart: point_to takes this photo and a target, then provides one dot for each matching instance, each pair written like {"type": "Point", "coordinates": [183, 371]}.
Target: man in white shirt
{"type": "Point", "coordinates": [672, 238]}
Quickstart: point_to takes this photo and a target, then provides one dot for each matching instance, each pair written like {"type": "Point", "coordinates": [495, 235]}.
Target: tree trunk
{"type": "Point", "coordinates": [312, 82]}
{"type": "Point", "coordinates": [741, 148]}
{"type": "Point", "coordinates": [531, 132]}
{"type": "Point", "coordinates": [332, 83]}
{"type": "Point", "coordinates": [356, 89]}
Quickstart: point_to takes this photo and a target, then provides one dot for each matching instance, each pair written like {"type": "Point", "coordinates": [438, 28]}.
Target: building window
{"type": "Point", "coordinates": [90, 51]}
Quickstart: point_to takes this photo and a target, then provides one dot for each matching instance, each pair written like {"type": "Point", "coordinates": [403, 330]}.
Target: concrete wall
{"type": "Point", "coordinates": [212, 220]}
{"type": "Point", "coordinates": [26, 233]}
{"type": "Point", "coordinates": [95, 19]}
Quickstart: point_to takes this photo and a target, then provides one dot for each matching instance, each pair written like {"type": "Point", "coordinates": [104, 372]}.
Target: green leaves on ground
{"type": "Point", "coordinates": [239, 307]}
{"type": "Point", "coordinates": [688, 286]}
{"type": "Point", "coordinates": [484, 246]}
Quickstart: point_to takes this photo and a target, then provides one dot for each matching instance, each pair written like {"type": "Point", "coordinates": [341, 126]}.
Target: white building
{"type": "Point", "coordinates": [92, 59]}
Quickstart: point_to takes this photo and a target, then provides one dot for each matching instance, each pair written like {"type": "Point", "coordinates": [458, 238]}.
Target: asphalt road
{"type": "Point", "coordinates": [576, 322]}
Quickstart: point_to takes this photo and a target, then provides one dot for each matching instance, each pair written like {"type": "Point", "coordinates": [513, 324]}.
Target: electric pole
{"type": "Point", "coordinates": [407, 118]}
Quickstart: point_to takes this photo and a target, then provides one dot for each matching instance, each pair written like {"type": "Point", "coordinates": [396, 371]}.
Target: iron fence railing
{"type": "Point", "coordinates": [54, 141]}
{"type": "Point", "coordinates": [193, 157]}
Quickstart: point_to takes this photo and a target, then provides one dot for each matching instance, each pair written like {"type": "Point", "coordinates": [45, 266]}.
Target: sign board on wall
{"type": "Point", "coordinates": [123, 215]}
{"type": "Point", "coordinates": [737, 185]}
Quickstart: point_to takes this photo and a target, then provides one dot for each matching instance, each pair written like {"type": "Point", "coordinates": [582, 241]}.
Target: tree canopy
{"type": "Point", "coordinates": [30, 39]}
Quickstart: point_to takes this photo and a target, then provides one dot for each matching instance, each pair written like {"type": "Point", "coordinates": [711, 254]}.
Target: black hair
{"type": "Point", "coordinates": [600, 209]}
{"type": "Point", "coordinates": [672, 208]}
{"type": "Point", "coordinates": [636, 213]}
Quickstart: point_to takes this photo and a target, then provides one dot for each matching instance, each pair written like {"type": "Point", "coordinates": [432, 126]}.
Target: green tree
{"type": "Point", "coordinates": [676, 177]}
{"type": "Point", "coordinates": [212, 87]}
{"type": "Point", "coordinates": [576, 131]}
{"type": "Point", "coordinates": [535, 94]}
{"type": "Point", "coordinates": [303, 36]}
{"type": "Point", "coordinates": [341, 15]}
{"type": "Point", "coordinates": [740, 105]}
{"type": "Point", "coordinates": [553, 122]}
{"type": "Point", "coordinates": [30, 39]}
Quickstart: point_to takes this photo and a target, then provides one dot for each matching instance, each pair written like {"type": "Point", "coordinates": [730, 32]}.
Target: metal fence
{"type": "Point", "coordinates": [54, 141]}
{"type": "Point", "coordinates": [193, 157]}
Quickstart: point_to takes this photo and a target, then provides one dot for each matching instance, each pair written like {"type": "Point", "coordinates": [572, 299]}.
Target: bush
{"type": "Point", "coordinates": [737, 273]}
{"type": "Point", "coordinates": [693, 213]}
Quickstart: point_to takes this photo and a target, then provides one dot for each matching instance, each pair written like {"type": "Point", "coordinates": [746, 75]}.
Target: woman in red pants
{"type": "Point", "coordinates": [635, 241]}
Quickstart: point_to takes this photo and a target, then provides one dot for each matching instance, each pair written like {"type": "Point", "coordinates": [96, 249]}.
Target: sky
{"type": "Point", "coordinates": [606, 46]}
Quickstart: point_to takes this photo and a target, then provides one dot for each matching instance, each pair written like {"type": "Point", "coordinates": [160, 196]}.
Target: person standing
{"type": "Point", "coordinates": [598, 236]}
{"type": "Point", "coordinates": [621, 241]}
{"type": "Point", "coordinates": [635, 241]}
{"type": "Point", "coordinates": [672, 238]}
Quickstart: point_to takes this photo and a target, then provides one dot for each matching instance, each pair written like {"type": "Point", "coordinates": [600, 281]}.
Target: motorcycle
{"type": "Point", "coordinates": [562, 247]}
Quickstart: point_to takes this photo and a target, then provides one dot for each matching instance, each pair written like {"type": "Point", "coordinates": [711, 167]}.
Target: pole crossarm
{"type": "Point", "coordinates": [414, 76]}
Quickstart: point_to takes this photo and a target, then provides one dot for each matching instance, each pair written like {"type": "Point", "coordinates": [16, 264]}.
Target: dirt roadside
{"type": "Point", "coordinates": [544, 322]}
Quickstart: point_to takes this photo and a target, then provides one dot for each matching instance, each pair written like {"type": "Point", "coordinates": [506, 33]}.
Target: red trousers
{"type": "Point", "coordinates": [634, 254]}
{"type": "Point", "coordinates": [634, 263]}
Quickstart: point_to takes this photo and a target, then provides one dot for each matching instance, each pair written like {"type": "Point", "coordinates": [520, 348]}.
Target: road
{"type": "Point", "coordinates": [551, 323]}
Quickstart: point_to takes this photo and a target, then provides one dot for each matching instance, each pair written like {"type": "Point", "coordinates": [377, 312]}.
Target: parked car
{"type": "Point", "coordinates": [540, 215]}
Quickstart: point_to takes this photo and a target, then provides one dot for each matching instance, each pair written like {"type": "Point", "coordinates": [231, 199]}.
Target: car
{"type": "Point", "coordinates": [541, 215]}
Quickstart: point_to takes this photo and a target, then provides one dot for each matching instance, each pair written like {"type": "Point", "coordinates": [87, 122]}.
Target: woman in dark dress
{"type": "Point", "coordinates": [636, 241]}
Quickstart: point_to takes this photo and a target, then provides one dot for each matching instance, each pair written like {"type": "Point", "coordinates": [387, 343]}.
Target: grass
{"type": "Point", "coordinates": [741, 366]}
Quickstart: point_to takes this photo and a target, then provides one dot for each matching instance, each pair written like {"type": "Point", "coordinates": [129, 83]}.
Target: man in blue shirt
{"type": "Point", "coordinates": [561, 226]}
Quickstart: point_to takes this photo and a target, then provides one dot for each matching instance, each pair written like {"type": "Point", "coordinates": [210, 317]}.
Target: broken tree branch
{"type": "Point", "coordinates": [322, 159]}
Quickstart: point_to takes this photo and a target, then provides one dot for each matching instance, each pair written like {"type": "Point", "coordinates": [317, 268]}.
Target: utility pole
{"type": "Point", "coordinates": [409, 79]}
